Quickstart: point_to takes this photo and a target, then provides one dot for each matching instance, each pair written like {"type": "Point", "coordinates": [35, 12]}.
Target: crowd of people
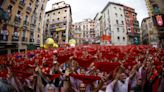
{"type": "Point", "coordinates": [84, 68]}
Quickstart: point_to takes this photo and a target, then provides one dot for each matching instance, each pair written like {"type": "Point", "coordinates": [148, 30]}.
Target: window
{"type": "Point", "coordinates": [58, 12]}
{"type": "Point", "coordinates": [30, 5]}
{"type": "Point", "coordinates": [26, 18]}
{"type": "Point", "coordinates": [64, 24]}
{"type": "Point", "coordinates": [24, 33]}
{"type": "Point", "coordinates": [121, 15]}
{"type": "Point", "coordinates": [64, 17]}
{"type": "Point", "coordinates": [10, 8]}
{"type": "Point", "coordinates": [124, 38]}
{"type": "Point", "coordinates": [120, 8]}
{"type": "Point", "coordinates": [118, 38]}
{"type": "Point", "coordinates": [122, 22]}
{"type": "Point", "coordinates": [18, 12]}
{"type": "Point", "coordinates": [53, 13]}
{"type": "Point", "coordinates": [58, 18]}
{"type": "Point", "coordinates": [116, 21]}
{"type": "Point", "coordinates": [123, 30]}
{"type": "Point", "coordinates": [118, 30]}
{"type": "Point", "coordinates": [48, 15]}
{"type": "Point", "coordinates": [116, 14]}
{"type": "Point", "coordinates": [65, 10]}
{"type": "Point", "coordinates": [114, 7]}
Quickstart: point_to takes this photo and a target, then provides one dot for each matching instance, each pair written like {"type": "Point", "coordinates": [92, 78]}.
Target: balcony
{"type": "Point", "coordinates": [57, 22]}
{"type": "Point", "coordinates": [13, 1]}
{"type": "Point", "coordinates": [37, 3]}
{"type": "Point", "coordinates": [3, 37]}
{"type": "Point", "coordinates": [32, 26]}
{"type": "Point", "coordinates": [28, 9]}
{"type": "Point", "coordinates": [156, 10]}
{"type": "Point", "coordinates": [24, 39]}
{"type": "Point", "coordinates": [31, 40]}
{"type": "Point", "coordinates": [152, 1]}
{"type": "Point", "coordinates": [4, 16]}
{"type": "Point", "coordinates": [22, 4]}
{"type": "Point", "coordinates": [136, 24]}
{"type": "Point", "coordinates": [26, 23]}
{"type": "Point", "coordinates": [131, 34]}
{"type": "Point", "coordinates": [38, 41]}
{"type": "Point", "coordinates": [42, 8]}
{"type": "Point", "coordinates": [38, 29]}
{"type": "Point", "coordinates": [15, 38]}
{"type": "Point", "coordinates": [17, 20]}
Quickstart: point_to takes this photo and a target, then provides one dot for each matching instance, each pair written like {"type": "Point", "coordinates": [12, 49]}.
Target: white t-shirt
{"type": "Point", "coordinates": [122, 87]}
{"type": "Point", "coordinates": [109, 88]}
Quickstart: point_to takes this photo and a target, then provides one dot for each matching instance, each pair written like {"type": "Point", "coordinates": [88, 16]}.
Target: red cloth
{"type": "Point", "coordinates": [86, 79]}
{"type": "Point", "coordinates": [3, 73]}
{"type": "Point", "coordinates": [129, 64]}
{"type": "Point", "coordinates": [106, 66]}
{"type": "Point", "coordinates": [54, 76]}
{"type": "Point", "coordinates": [84, 62]}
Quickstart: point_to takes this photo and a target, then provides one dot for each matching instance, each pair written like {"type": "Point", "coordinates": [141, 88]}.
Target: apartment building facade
{"type": "Point", "coordinates": [132, 25]}
{"type": "Point", "coordinates": [156, 11]}
{"type": "Point", "coordinates": [20, 24]}
{"type": "Point", "coordinates": [57, 23]}
{"type": "Point", "coordinates": [113, 20]}
{"type": "Point", "coordinates": [77, 33]}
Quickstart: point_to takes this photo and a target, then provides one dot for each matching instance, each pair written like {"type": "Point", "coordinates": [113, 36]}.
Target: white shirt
{"type": "Point", "coordinates": [109, 88]}
{"type": "Point", "coordinates": [122, 87]}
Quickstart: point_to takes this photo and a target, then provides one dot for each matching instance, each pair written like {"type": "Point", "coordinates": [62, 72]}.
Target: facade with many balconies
{"type": "Point", "coordinates": [20, 24]}
{"type": "Point", "coordinates": [57, 23]}
{"type": "Point", "coordinates": [132, 25]}
{"type": "Point", "coordinates": [156, 12]}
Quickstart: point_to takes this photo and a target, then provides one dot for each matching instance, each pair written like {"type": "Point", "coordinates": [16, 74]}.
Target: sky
{"type": "Point", "coordinates": [82, 9]}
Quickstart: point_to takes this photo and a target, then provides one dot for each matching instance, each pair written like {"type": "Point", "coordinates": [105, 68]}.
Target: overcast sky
{"type": "Point", "coordinates": [82, 9]}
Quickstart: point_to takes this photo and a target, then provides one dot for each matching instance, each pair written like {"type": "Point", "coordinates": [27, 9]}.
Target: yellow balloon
{"type": "Point", "coordinates": [41, 45]}
{"type": "Point", "coordinates": [55, 45]}
{"type": "Point", "coordinates": [72, 41]}
{"type": "Point", "coordinates": [46, 46]}
{"type": "Point", "coordinates": [49, 41]}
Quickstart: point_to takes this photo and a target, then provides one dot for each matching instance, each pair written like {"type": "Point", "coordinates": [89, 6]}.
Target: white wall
{"type": "Point", "coordinates": [111, 25]}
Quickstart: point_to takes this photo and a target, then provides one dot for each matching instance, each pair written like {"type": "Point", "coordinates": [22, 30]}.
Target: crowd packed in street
{"type": "Point", "coordinates": [84, 68]}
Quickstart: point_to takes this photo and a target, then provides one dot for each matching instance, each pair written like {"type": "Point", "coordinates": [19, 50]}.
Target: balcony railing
{"type": "Point", "coordinates": [28, 9]}
{"type": "Point", "coordinates": [130, 34]}
{"type": "Point", "coordinates": [31, 40]}
{"type": "Point", "coordinates": [4, 16]}
{"type": "Point", "coordinates": [136, 23]}
{"type": "Point", "coordinates": [3, 37]}
{"type": "Point", "coordinates": [17, 20]}
{"type": "Point", "coordinates": [56, 22]}
{"type": "Point", "coordinates": [38, 41]}
{"type": "Point", "coordinates": [26, 23]}
{"type": "Point", "coordinates": [24, 39]}
{"type": "Point", "coordinates": [21, 4]}
{"type": "Point", "coordinates": [32, 26]}
{"type": "Point", "coordinates": [15, 38]}
{"type": "Point", "coordinates": [13, 1]}
{"type": "Point", "coordinates": [37, 3]}
{"type": "Point", "coordinates": [38, 29]}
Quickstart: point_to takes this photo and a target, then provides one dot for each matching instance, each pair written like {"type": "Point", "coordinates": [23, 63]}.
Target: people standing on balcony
{"type": "Point", "coordinates": [4, 32]}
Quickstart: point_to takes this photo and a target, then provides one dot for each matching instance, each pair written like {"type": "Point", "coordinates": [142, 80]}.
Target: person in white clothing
{"type": "Point", "coordinates": [121, 81]}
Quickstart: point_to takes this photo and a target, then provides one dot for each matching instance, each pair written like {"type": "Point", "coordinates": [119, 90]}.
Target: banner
{"type": "Point", "coordinates": [158, 20]}
{"type": "Point", "coordinates": [105, 37]}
